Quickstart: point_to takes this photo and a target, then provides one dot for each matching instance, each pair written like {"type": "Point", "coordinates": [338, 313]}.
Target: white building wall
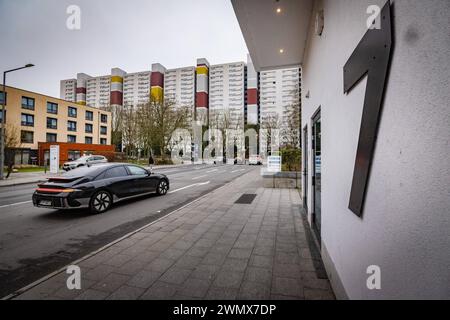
{"type": "Point", "coordinates": [405, 224]}
{"type": "Point", "coordinates": [226, 91]}
{"type": "Point", "coordinates": [68, 89]}
{"type": "Point", "coordinates": [279, 92]}
{"type": "Point", "coordinates": [179, 86]}
{"type": "Point", "coordinates": [136, 88]}
{"type": "Point", "coordinates": [98, 91]}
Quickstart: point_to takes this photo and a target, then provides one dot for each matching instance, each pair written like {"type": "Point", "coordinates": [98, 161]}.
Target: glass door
{"type": "Point", "coordinates": [317, 173]}
{"type": "Point", "coordinates": [305, 169]}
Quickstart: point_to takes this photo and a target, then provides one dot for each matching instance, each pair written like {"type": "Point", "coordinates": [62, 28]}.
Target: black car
{"type": "Point", "coordinates": [98, 186]}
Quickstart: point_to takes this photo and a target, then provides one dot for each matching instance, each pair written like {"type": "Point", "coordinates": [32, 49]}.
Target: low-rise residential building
{"type": "Point", "coordinates": [35, 118]}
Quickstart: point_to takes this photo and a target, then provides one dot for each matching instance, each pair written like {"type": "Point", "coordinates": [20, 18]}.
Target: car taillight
{"type": "Point", "coordinates": [54, 190]}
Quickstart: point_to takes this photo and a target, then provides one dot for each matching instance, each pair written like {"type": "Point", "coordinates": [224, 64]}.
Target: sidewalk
{"type": "Point", "coordinates": [212, 248]}
{"type": "Point", "coordinates": [19, 178]}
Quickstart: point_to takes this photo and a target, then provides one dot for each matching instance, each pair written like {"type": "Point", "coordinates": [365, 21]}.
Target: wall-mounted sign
{"type": "Point", "coordinates": [372, 58]}
{"type": "Point", "coordinates": [54, 159]}
{"type": "Point", "coordinates": [274, 164]}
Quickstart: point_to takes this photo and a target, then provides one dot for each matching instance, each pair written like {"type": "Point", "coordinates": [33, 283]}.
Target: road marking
{"type": "Point", "coordinates": [15, 204]}
{"type": "Point", "coordinates": [212, 170]}
{"type": "Point", "coordinates": [199, 177]}
{"type": "Point", "coordinates": [89, 255]}
{"type": "Point", "coordinates": [237, 170]}
{"type": "Point", "coordinates": [190, 186]}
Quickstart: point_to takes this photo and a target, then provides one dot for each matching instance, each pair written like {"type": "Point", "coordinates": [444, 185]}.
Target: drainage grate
{"type": "Point", "coordinates": [246, 198]}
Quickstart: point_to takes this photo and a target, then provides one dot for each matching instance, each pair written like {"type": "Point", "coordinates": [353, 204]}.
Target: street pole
{"type": "Point", "coordinates": [2, 142]}
{"type": "Point", "coordinates": [2, 138]}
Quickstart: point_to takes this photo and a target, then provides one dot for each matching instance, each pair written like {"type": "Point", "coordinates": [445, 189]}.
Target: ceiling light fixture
{"type": "Point", "coordinates": [281, 50]}
{"type": "Point", "coordinates": [278, 10]}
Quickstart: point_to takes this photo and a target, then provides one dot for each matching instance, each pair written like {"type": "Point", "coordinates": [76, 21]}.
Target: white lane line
{"type": "Point", "coordinates": [199, 177]}
{"type": "Point", "coordinates": [237, 170]}
{"type": "Point", "coordinates": [15, 204]}
{"type": "Point", "coordinates": [189, 186]}
{"type": "Point", "coordinates": [212, 170]}
{"type": "Point", "coordinates": [164, 172]}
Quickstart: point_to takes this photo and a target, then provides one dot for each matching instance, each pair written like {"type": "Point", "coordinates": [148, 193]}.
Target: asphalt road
{"type": "Point", "coordinates": [37, 241]}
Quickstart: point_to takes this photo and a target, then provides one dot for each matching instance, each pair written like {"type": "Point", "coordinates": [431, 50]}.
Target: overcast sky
{"type": "Point", "coordinates": [129, 34]}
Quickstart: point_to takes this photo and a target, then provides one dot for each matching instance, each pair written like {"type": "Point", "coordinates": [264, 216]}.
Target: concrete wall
{"type": "Point", "coordinates": [405, 226]}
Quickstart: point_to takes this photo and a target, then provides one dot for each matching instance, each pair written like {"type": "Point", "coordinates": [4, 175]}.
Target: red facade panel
{"type": "Point", "coordinates": [81, 90]}
{"type": "Point", "coordinates": [252, 96]}
{"type": "Point", "coordinates": [64, 148]}
{"type": "Point", "coordinates": [201, 100]}
{"type": "Point", "coordinates": [157, 79]}
{"type": "Point", "coordinates": [116, 97]}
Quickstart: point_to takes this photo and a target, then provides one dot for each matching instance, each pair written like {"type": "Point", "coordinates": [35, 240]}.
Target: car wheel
{"type": "Point", "coordinates": [162, 188]}
{"type": "Point", "coordinates": [100, 202]}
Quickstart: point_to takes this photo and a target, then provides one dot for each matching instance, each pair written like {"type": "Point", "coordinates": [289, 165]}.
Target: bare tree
{"type": "Point", "coordinates": [291, 126]}
{"type": "Point", "coordinates": [270, 123]}
{"type": "Point", "coordinates": [129, 130]}
{"type": "Point", "coordinates": [157, 120]}
{"type": "Point", "coordinates": [12, 142]}
{"type": "Point", "coordinates": [116, 124]}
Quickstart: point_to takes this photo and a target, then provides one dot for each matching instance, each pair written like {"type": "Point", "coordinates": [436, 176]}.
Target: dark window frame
{"type": "Point", "coordinates": [52, 127]}
{"type": "Point", "coordinates": [103, 132]}
{"type": "Point", "coordinates": [5, 101]}
{"type": "Point", "coordinates": [71, 115]}
{"type": "Point", "coordinates": [91, 117]}
{"type": "Point", "coordinates": [69, 127]}
{"type": "Point", "coordinates": [27, 106]}
{"type": "Point", "coordinates": [74, 140]}
{"type": "Point", "coordinates": [88, 125]}
{"type": "Point", "coordinates": [85, 140]}
{"type": "Point", "coordinates": [105, 140]}
{"type": "Point", "coordinates": [50, 110]}
{"type": "Point", "coordinates": [104, 116]}
{"type": "Point", "coordinates": [52, 135]}
{"type": "Point", "coordinates": [22, 132]}
{"type": "Point", "coordinates": [26, 123]}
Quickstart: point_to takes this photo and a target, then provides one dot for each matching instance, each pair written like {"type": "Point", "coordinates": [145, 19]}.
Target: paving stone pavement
{"type": "Point", "coordinates": [210, 249]}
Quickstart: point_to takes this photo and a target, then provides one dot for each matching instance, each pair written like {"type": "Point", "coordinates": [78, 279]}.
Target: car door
{"type": "Point", "coordinates": [118, 181]}
{"type": "Point", "coordinates": [142, 181]}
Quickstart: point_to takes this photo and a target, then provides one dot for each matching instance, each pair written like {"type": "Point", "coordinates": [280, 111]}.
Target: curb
{"type": "Point", "coordinates": [58, 271]}
{"type": "Point", "coordinates": [22, 183]}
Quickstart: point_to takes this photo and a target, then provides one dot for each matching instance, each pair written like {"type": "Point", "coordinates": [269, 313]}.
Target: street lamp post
{"type": "Point", "coordinates": [2, 138]}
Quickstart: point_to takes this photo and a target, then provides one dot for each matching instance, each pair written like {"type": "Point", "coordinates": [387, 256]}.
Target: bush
{"type": "Point", "coordinates": [160, 161]}
{"type": "Point", "coordinates": [291, 159]}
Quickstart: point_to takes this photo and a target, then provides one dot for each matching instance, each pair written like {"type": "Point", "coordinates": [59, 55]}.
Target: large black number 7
{"type": "Point", "coordinates": [371, 57]}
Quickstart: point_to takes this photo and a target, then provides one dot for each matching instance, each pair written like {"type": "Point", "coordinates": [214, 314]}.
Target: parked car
{"type": "Point", "coordinates": [98, 187]}
{"type": "Point", "coordinates": [83, 161]}
{"type": "Point", "coordinates": [255, 160]}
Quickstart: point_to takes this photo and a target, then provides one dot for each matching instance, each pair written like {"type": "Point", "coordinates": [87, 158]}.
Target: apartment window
{"type": "Point", "coordinates": [52, 123]}
{"type": "Point", "coordinates": [71, 126]}
{"type": "Point", "coordinates": [27, 103]}
{"type": "Point", "coordinates": [88, 128]}
{"type": "Point", "coordinates": [88, 140]}
{"type": "Point", "coordinates": [27, 136]}
{"type": "Point", "coordinates": [102, 140]}
{"type": "Point", "coordinates": [89, 115]}
{"type": "Point", "coordinates": [104, 118]}
{"type": "Point", "coordinates": [72, 112]}
{"type": "Point", "coordinates": [73, 155]}
{"type": "Point", "coordinates": [51, 137]}
{"type": "Point", "coordinates": [71, 138]}
{"type": "Point", "coordinates": [103, 130]}
{"type": "Point", "coordinates": [3, 97]}
{"type": "Point", "coordinates": [27, 120]}
{"type": "Point", "coordinates": [1, 115]}
{"type": "Point", "coordinates": [52, 108]}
